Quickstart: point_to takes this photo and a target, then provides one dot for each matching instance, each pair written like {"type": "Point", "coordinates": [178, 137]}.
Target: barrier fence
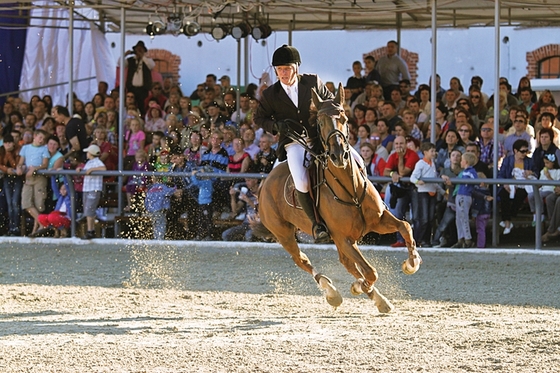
{"type": "Point", "coordinates": [536, 184]}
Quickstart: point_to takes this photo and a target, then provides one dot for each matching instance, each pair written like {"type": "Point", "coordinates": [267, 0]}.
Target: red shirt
{"type": "Point", "coordinates": [410, 160]}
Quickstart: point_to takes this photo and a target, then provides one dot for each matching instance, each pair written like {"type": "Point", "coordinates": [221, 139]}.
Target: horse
{"type": "Point", "coordinates": [348, 203]}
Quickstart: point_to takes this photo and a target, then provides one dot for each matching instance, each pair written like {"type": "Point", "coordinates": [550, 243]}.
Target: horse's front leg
{"type": "Point", "coordinates": [366, 275]}
{"type": "Point", "coordinates": [331, 293]}
{"type": "Point", "coordinates": [390, 224]}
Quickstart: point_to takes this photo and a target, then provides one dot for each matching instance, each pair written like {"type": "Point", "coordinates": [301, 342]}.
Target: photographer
{"type": "Point", "coordinates": [139, 74]}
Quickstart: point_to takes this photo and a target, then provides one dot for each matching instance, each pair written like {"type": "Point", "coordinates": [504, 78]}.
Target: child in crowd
{"type": "Point", "coordinates": [463, 201]}
{"type": "Point", "coordinates": [426, 194]}
{"type": "Point", "coordinates": [481, 210]}
{"type": "Point", "coordinates": [60, 217]}
{"type": "Point", "coordinates": [93, 186]}
{"type": "Point", "coordinates": [550, 171]}
{"type": "Point", "coordinates": [135, 139]}
{"type": "Point", "coordinates": [205, 210]}
{"type": "Point", "coordinates": [155, 147]}
{"type": "Point", "coordinates": [243, 200]}
{"type": "Point", "coordinates": [158, 201]}
{"type": "Point", "coordinates": [136, 184]}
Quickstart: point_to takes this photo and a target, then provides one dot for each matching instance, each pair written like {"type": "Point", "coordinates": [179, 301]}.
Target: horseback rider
{"type": "Point", "coordinates": [286, 106]}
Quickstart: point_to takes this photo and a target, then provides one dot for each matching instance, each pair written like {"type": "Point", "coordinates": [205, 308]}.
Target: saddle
{"type": "Point", "coordinates": [316, 177]}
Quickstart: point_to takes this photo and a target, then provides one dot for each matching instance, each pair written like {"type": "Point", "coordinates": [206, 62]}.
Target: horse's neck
{"type": "Point", "coordinates": [349, 177]}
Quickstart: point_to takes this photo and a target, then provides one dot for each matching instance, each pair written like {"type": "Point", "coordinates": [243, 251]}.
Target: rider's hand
{"type": "Point", "coordinates": [280, 127]}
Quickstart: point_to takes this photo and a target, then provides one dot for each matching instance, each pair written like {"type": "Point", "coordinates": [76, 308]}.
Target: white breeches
{"type": "Point", "coordinates": [296, 153]}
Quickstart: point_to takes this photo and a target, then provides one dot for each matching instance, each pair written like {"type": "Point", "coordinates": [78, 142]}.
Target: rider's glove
{"type": "Point", "coordinates": [280, 127]}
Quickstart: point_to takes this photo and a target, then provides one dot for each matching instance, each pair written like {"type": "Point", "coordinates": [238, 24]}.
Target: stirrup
{"type": "Point", "coordinates": [321, 233]}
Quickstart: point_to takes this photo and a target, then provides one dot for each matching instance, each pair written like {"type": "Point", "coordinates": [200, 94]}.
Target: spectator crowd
{"type": "Point", "coordinates": [208, 131]}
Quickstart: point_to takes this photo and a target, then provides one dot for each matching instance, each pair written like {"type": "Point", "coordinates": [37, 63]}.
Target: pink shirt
{"type": "Point", "coordinates": [134, 141]}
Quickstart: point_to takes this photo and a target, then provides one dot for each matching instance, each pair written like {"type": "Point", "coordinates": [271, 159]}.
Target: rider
{"type": "Point", "coordinates": [287, 103]}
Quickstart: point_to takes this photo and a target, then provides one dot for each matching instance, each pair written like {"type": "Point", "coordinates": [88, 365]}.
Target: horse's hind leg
{"type": "Point", "coordinates": [390, 224]}
{"type": "Point", "coordinates": [288, 241]}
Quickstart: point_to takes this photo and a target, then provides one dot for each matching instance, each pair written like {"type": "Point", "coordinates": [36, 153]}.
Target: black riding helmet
{"type": "Point", "coordinates": [285, 55]}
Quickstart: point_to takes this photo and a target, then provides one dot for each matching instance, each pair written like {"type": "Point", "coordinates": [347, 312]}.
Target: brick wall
{"type": "Point", "coordinates": [540, 54]}
{"type": "Point", "coordinates": [171, 65]}
{"type": "Point", "coordinates": [409, 57]}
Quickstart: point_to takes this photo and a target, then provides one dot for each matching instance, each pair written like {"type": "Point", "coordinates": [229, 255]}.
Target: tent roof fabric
{"type": "Point", "coordinates": [283, 15]}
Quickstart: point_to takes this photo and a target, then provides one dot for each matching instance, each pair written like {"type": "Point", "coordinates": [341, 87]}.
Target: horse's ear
{"type": "Point", "coordinates": [339, 99]}
{"type": "Point", "coordinates": [316, 99]}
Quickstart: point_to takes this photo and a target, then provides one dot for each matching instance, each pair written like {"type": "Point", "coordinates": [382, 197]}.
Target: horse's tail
{"type": "Point", "coordinates": [259, 230]}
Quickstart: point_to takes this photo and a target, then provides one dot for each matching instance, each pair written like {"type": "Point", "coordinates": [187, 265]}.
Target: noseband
{"type": "Point", "coordinates": [334, 111]}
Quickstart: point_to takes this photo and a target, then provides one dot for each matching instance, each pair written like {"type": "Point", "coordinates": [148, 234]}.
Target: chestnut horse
{"type": "Point", "coordinates": [349, 205]}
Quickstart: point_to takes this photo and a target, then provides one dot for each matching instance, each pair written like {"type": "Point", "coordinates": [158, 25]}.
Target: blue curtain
{"type": "Point", "coordinates": [13, 32]}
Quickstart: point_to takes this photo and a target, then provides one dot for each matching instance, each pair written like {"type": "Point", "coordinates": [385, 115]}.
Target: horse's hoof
{"type": "Point", "coordinates": [408, 269]}
{"type": "Point", "coordinates": [333, 296]}
{"type": "Point", "coordinates": [383, 305]}
{"type": "Point", "coordinates": [356, 288]}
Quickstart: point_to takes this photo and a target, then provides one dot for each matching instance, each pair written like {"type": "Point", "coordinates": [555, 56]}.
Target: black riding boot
{"type": "Point", "coordinates": [320, 231]}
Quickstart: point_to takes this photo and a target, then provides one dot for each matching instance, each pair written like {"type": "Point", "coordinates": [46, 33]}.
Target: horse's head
{"type": "Point", "coordinates": [332, 127]}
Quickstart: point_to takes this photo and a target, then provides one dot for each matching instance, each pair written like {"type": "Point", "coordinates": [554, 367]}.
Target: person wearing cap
{"type": "Point", "coordinates": [225, 82]}
{"type": "Point", "coordinates": [290, 99]}
{"type": "Point", "coordinates": [215, 118]}
{"type": "Point", "coordinates": [139, 73]}
{"type": "Point", "coordinates": [92, 188]}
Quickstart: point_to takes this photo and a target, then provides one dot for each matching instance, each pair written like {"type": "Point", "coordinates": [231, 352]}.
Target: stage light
{"type": "Point", "coordinates": [159, 28]}
{"type": "Point", "coordinates": [219, 32]}
{"type": "Point", "coordinates": [241, 30]}
{"type": "Point", "coordinates": [174, 23]}
{"type": "Point", "coordinates": [261, 32]}
{"type": "Point", "coordinates": [150, 29]}
{"type": "Point", "coordinates": [190, 28]}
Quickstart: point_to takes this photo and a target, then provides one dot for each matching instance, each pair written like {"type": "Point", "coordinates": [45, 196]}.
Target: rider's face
{"type": "Point", "coordinates": [287, 74]}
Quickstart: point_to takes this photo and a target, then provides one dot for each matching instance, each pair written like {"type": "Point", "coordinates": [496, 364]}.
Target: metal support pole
{"type": "Point", "coordinates": [71, 57]}
{"type": "Point", "coordinates": [245, 65]}
{"type": "Point", "coordinates": [238, 76]}
{"type": "Point", "coordinates": [122, 99]}
{"type": "Point", "coordinates": [433, 87]}
{"type": "Point", "coordinates": [399, 27]}
{"type": "Point", "coordinates": [495, 232]}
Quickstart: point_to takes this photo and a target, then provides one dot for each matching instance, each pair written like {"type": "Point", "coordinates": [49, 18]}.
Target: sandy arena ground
{"type": "Point", "coordinates": [74, 306]}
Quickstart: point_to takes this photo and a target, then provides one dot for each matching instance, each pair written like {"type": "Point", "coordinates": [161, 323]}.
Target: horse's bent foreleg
{"type": "Point", "coordinates": [351, 257]}
{"type": "Point", "coordinates": [383, 305]}
{"type": "Point", "coordinates": [290, 245]}
{"type": "Point", "coordinates": [390, 224]}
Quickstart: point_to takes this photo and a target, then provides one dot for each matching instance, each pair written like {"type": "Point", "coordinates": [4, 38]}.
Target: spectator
{"type": "Point", "coordinates": [398, 195]}
{"type": "Point", "coordinates": [550, 171]}
{"type": "Point", "coordinates": [446, 210]}
{"type": "Point", "coordinates": [547, 121]}
{"type": "Point", "coordinates": [75, 129]}
{"type": "Point", "coordinates": [375, 164]}
{"type": "Point", "coordinates": [486, 144]}
{"type": "Point", "coordinates": [158, 201]}
{"type": "Point", "coordinates": [476, 84]}
{"type": "Point", "coordinates": [136, 184]}
{"type": "Point", "coordinates": [424, 97]}
{"type": "Point", "coordinates": [389, 112]}
{"type": "Point", "coordinates": [156, 96]}
{"type": "Point", "coordinates": [265, 158]}
{"type": "Point", "coordinates": [249, 142]}
{"type": "Point", "coordinates": [34, 157]}
{"type": "Point", "coordinates": [481, 210]}
{"type": "Point", "coordinates": [194, 152]}
{"type": "Point", "coordinates": [385, 136]}
{"type": "Point", "coordinates": [511, 196]}
{"type": "Point", "coordinates": [93, 186]}
{"type": "Point", "coordinates": [546, 97]}
{"type": "Point", "coordinates": [553, 208]}
{"type": "Point", "coordinates": [478, 106]}
{"type": "Point", "coordinates": [463, 202]}
{"type": "Point", "coordinates": [546, 147]}
{"type": "Point", "coordinates": [392, 69]}
{"type": "Point", "coordinates": [135, 140]}
{"type": "Point", "coordinates": [244, 108]}
{"type": "Point", "coordinates": [12, 182]}
{"type": "Point", "coordinates": [480, 167]}
{"type": "Point", "coordinates": [465, 132]}
{"type": "Point", "coordinates": [240, 160]}
{"type": "Point", "coordinates": [456, 86]}
{"type": "Point", "coordinates": [244, 201]}
{"type": "Point", "coordinates": [452, 142]}
{"type": "Point", "coordinates": [372, 73]}
{"type": "Point", "coordinates": [441, 117]}
{"type": "Point", "coordinates": [520, 125]}
{"type": "Point", "coordinates": [60, 218]}
{"type": "Point", "coordinates": [401, 129]}
{"type": "Point", "coordinates": [155, 121]}
{"type": "Point", "coordinates": [109, 152]}
{"type": "Point", "coordinates": [413, 129]}
{"type": "Point", "coordinates": [424, 200]}
{"type": "Point", "coordinates": [363, 135]}
{"type": "Point", "coordinates": [139, 76]}
{"type": "Point", "coordinates": [205, 206]}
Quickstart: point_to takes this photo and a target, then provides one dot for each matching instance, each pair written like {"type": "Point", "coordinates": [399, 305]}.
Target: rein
{"type": "Point", "coordinates": [356, 200]}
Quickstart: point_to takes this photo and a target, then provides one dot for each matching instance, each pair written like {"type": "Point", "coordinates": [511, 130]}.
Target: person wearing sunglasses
{"type": "Point", "coordinates": [520, 125]}
{"type": "Point", "coordinates": [515, 166]}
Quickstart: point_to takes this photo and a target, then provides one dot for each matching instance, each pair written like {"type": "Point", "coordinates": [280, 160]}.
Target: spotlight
{"type": "Point", "coordinates": [150, 29]}
{"type": "Point", "coordinates": [174, 22]}
{"type": "Point", "coordinates": [240, 30]}
{"type": "Point", "coordinates": [261, 32]}
{"type": "Point", "coordinates": [219, 32]}
{"type": "Point", "coordinates": [159, 28]}
{"type": "Point", "coordinates": [190, 28]}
